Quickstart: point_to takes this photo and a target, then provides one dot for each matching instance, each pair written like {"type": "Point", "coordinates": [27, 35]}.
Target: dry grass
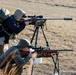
{"type": "Point", "coordinates": [60, 34]}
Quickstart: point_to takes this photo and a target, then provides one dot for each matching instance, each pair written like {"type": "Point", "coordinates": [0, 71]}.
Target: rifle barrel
{"type": "Point", "coordinates": [62, 50]}
{"type": "Point", "coordinates": [54, 18]}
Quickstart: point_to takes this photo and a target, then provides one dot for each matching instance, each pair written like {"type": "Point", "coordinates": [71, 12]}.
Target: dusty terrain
{"type": "Point", "coordinates": [60, 34]}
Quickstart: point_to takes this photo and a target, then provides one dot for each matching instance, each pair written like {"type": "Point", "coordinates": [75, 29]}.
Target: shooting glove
{"type": "Point", "coordinates": [33, 20]}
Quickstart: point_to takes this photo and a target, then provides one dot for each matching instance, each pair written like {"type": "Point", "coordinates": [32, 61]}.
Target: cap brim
{"type": "Point", "coordinates": [30, 46]}
{"type": "Point", "coordinates": [24, 16]}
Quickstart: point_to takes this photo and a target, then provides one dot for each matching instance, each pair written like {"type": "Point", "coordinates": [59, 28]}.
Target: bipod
{"type": "Point", "coordinates": [36, 32]}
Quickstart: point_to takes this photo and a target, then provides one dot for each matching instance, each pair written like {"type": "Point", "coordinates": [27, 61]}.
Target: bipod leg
{"type": "Point", "coordinates": [56, 63]}
{"type": "Point", "coordinates": [47, 44]}
{"type": "Point", "coordinates": [36, 41]}
{"type": "Point", "coordinates": [33, 35]}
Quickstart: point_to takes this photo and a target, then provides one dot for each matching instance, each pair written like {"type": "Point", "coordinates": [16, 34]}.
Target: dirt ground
{"type": "Point", "coordinates": [60, 34]}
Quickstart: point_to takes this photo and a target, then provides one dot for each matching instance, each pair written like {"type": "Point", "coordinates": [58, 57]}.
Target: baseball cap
{"type": "Point", "coordinates": [19, 13]}
{"type": "Point", "coordinates": [23, 43]}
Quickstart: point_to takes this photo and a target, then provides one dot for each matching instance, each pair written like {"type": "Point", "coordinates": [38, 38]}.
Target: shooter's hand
{"type": "Point", "coordinates": [33, 55]}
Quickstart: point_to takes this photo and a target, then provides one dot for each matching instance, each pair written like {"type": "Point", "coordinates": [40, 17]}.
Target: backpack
{"type": "Point", "coordinates": [4, 14]}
